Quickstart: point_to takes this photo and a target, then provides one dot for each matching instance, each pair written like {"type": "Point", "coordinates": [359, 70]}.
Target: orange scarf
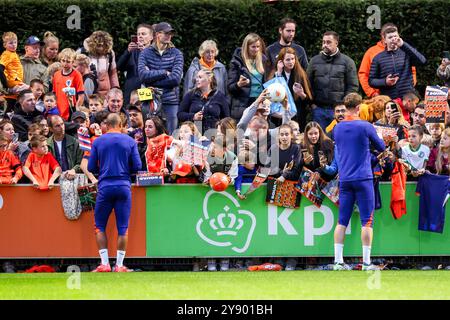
{"type": "Point", "coordinates": [205, 65]}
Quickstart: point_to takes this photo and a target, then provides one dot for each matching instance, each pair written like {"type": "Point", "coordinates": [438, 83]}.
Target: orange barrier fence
{"type": "Point", "coordinates": [32, 224]}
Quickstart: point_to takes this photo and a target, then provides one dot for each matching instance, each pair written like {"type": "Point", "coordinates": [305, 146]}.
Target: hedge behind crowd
{"type": "Point", "coordinates": [422, 23]}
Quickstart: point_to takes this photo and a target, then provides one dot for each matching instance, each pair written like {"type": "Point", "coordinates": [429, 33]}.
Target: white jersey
{"type": "Point", "coordinates": [416, 158]}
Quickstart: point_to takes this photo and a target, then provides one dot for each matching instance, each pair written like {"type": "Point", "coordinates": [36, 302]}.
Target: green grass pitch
{"type": "Point", "coordinates": [229, 285]}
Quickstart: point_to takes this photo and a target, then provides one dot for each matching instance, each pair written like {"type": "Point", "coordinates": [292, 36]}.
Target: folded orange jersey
{"type": "Point", "coordinates": [265, 267]}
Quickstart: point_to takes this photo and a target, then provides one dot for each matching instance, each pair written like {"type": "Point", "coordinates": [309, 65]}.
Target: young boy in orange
{"type": "Point", "coordinates": [41, 167]}
{"type": "Point", "coordinates": [68, 84]}
{"type": "Point", "coordinates": [9, 163]}
{"type": "Point", "coordinates": [11, 61]}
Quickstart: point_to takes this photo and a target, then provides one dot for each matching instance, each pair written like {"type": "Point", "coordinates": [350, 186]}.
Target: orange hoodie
{"type": "Point", "coordinates": [364, 69]}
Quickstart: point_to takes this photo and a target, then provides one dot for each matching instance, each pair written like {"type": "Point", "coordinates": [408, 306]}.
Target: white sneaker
{"type": "Point", "coordinates": [224, 265]}
{"type": "Point", "coordinates": [370, 267]}
{"type": "Point", "coordinates": [341, 267]}
{"type": "Point", "coordinates": [212, 265]}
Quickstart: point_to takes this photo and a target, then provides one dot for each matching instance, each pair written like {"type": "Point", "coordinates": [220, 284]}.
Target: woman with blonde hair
{"type": "Point", "coordinates": [207, 61]}
{"type": "Point", "coordinates": [205, 104]}
{"type": "Point", "coordinates": [49, 53]}
{"type": "Point", "coordinates": [99, 48]}
{"type": "Point", "coordinates": [392, 116]}
{"type": "Point", "coordinates": [246, 74]}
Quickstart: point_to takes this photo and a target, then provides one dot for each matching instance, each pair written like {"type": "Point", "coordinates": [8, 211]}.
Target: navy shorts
{"type": "Point", "coordinates": [109, 198]}
{"type": "Point", "coordinates": [363, 194]}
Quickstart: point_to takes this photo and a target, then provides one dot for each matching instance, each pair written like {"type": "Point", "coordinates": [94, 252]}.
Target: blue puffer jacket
{"type": "Point", "coordinates": [153, 69]}
{"type": "Point", "coordinates": [391, 62]}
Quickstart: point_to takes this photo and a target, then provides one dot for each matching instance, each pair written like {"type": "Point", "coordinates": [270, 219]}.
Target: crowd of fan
{"type": "Point", "coordinates": [55, 103]}
{"type": "Point", "coordinates": [51, 94]}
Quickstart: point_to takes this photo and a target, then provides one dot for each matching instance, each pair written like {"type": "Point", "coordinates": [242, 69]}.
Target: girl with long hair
{"type": "Point", "coordinates": [317, 149]}
{"type": "Point", "coordinates": [439, 157]}
{"type": "Point", "coordinates": [288, 67]}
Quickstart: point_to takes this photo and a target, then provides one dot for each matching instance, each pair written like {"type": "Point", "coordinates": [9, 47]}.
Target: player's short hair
{"type": "Point", "coordinates": [352, 100]}
{"type": "Point", "coordinates": [113, 120]}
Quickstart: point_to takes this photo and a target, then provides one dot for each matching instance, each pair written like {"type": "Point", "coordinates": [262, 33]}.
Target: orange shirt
{"type": "Point", "coordinates": [13, 68]}
{"type": "Point", "coordinates": [9, 164]}
{"type": "Point", "coordinates": [74, 80]}
{"type": "Point", "coordinates": [42, 167]}
{"type": "Point", "coordinates": [155, 155]}
{"type": "Point", "coordinates": [364, 69]}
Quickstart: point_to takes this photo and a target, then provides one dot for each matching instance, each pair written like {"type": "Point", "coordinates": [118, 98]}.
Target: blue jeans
{"type": "Point", "coordinates": [171, 110]}
{"type": "Point", "coordinates": [323, 116]}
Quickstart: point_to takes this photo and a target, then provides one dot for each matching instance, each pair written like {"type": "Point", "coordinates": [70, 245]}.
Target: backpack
{"type": "Point", "coordinates": [93, 75]}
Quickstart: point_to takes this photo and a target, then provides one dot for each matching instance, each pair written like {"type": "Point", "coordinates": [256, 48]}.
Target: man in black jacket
{"type": "Point", "coordinates": [24, 113]}
{"type": "Point", "coordinates": [332, 75]}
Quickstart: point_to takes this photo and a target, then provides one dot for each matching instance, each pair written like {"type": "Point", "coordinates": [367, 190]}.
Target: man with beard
{"type": "Point", "coordinates": [418, 118]}
{"type": "Point", "coordinates": [287, 33]}
{"type": "Point", "coordinates": [136, 129]}
{"type": "Point", "coordinates": [340, 112]}
{"type": "Point", "coordinates": [332, 75]}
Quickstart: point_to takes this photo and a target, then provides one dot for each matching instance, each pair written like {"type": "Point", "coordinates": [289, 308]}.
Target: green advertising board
{"type": "Point", "coordinates": [194, 221]}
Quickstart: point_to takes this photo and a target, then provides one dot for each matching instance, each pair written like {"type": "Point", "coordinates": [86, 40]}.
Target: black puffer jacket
{"type": "Point", "coordinates": [332, 78]}
{"type": "Point", "coordinates": [239, 96]}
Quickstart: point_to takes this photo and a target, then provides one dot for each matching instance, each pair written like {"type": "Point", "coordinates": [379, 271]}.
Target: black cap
{"type": "Point", "coordinates": [163, 27]}
{"type": "Point", "coordinates": [78, 114]}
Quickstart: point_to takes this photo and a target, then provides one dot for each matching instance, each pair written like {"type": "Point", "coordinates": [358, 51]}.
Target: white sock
{"type": "Point", "coordinates": [338, 253]}
{"type": "Point", "coordinates": [120, 257]}
{"type": "Point", "coordinates": [104, 256]}
{"type": "Point", "coordinates": [366, 254]}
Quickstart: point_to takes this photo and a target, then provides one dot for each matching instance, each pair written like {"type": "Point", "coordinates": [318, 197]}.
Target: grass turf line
{"type": "Point", "coordinates": [231, 285]}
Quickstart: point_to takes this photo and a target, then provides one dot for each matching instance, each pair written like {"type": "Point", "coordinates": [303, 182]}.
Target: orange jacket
{"type": "Point", "coordinates": [398, 200]}
{"type": "Point", "coordinates": [364, 69]}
